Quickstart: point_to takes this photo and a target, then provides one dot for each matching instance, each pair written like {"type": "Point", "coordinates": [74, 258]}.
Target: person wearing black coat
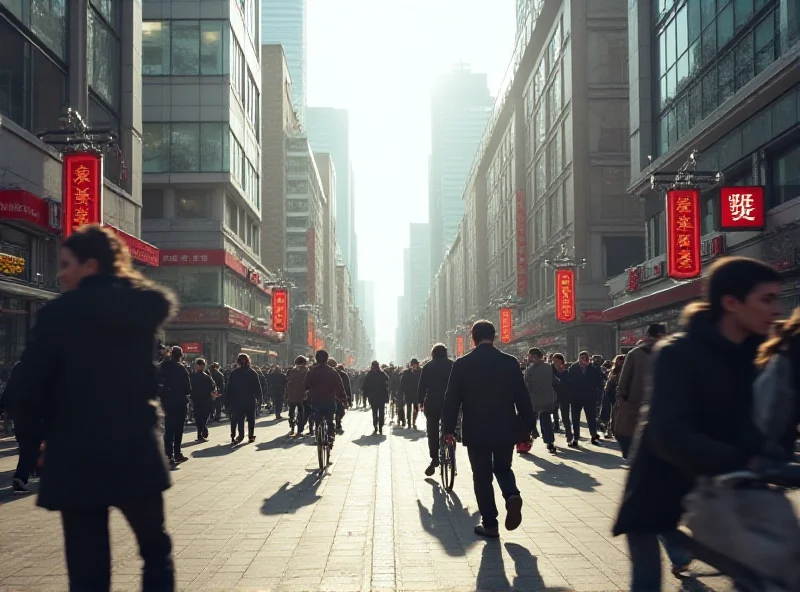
{"type": "Point", "coordinates": [585, 383]}
{"type": "Point", "coordinates": [409, 386]}
{"type": "Point", "coordinates": [219, 381]}
{"type": "Point", "coordinates": [244, 392]}
{"type": "Point", "coordinates": [375, 387]}
{"type": "Point", "coordinates": [347, 389]}
{"type": "Point", "coordinates": [488, 387]}
{"type": "Point", "coordinates": [203, 390]}
{"type": "Point", "coordinates": [263, 379]}
{"type": "Point", "coordinates": [277, 387]}
{"type": "Point", "coordinates": [432, 387]}
{"type": "Point", "coordinates": [562, 396]}
{"type": "Point", "coordinates": [99, 415]}
{"type": "Point", "coordinates": [699, 420]}
{"type": "Point", "coordinates": [174, 394]}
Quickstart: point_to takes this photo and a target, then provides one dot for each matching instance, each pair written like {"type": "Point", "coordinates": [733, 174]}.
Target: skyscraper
{"type": "Point", "coordinates": [329, 131]}
{"type": "Point", "coordinates": [284, 22]}
{"type": "Point", "coordinates": [460, 107]}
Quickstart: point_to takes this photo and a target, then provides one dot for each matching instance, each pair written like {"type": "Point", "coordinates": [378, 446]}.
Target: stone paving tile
{"type": "Point", "coordinates": [257, 518]}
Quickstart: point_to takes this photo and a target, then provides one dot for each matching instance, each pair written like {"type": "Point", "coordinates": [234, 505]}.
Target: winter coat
{"type": "Point", "coordinates": [585, 385]}
{"type": "Point", "coordinates": [698, 422]}
{"type": "Point", "coordinates": [277, 383]}
{"type": "Point", "coordinates": [409, 385]}
{"type": "Point", "coordinates": [540, 378]}
{"type": "Point", "coordinates": [203, 388]}
{"type": "Point", "coordinates": [324, 385]}
{"type": "Point", "coordinates": [244, 389]}
{"type": "Point", "coordinates": [346, 384]}
{"type": "Point", "coordinates": [375, 387]}
{"type": "Point", "coordinates": [99, 411]}
{"type": "Point", "coordinates": [488, 387]}
{"type": "Point", "coordinates": [219, 381]}
{"type": "Point", "coordinates": [631, 387]}
{"type": "Point", "coordinates": [433, 384]}
{"type": "Point", "coordinates": [175, 387]}
{"type": "Point", "coordinates": [295, 387]}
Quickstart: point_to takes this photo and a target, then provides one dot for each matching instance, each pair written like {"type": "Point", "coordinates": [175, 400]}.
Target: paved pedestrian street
{"type": "Point", "coordinates": [257, 518]}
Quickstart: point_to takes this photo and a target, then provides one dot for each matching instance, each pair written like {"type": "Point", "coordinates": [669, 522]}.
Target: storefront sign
{"type": "Point", "coordinates": [741, 208]}
{"type": "Point", "coordinates": [194, 347]}
{"type": "Point", "coordinates": [231, 262]}
{"type": "Point", "coordinates": [192, 257]}
{"type": "Point", "coordinates": [311, 331]}
{"type": "Point", "coordinates": [683, 233]}
{"type": "Point", "coordinates": [11, 265]}
{"type": "Point", "coordinates": [522, 244]}
{"type": "Point", "coordinates": [255, 278]}
{"type": "Point", "coordinates": [139, 250]}
{"type": "Point", "coordinates": [644, 274]}
{"type": "Point", "coordinates": [459, 345]}
{"type": "Point", "coordinates": [506, 325]}
{"type": "Point", "coordinates": [83, 190]}
{"type": "Point", "coordinates": [201, 316]}
{"type": "Point", "coordinates": [311, 262]}
{"type": "Point", "coordinates": [17, 205]}
{"type": "Point", "coordinates": [712, 247]}
{"type": "Point", "coordinates": [592, 316]}
{"type": "Point", "coordinates": [630, 338]}
{"type": "Point", "coordinates": [239, 320]}
{"type": "Point", "coordinates": [565, 295]}
{"type": "Point", "coordinates": [280, 310]}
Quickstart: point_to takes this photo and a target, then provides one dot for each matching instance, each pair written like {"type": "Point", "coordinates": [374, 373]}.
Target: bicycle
{"type": "Point", "coordinates": [447, 463]}
{"type": "Point", "coordinates": [391, 411]}
{"type": "Point", "coordinates": [322, 438]}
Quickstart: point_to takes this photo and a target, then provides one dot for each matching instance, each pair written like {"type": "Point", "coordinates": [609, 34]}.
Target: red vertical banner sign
{"type": "Point", "coordinates": [522, 244]}
{"type": "Point", "coordinates": [311, 258]}
{"type": "Point", "coordinates": [459, 345]}
{"type": "Point", "coordinates": [506, 325]}
{"type": "Point", "coordinates": [741, 208]}
{"type": "Point", "coordinates": [82, 200]}
{"type": "Point", "coordinates": [280, 310]}
{"type": "Point", "coordinates": [311, 335]}
{"type": "Point", "coordinates": [683, 233]}
{"type": "Point", "coordinates": [565, 295]}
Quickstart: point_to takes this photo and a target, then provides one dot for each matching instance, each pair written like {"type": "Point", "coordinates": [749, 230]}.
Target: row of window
{"type": "Point", "coordinates": [242, 224]}
{"type": "Point", "coordinates": [243, 171]}
{"type": "Point", "coordinates": [47, 19]}
{"type": "Point", "coordinates": [103, 48]}
{"type": "Point", "coordinates": [248, 9]}
{"type": "Point", "coordinates": [185, 48]}
{"type": "Point", "coordinates": [244, 86]}
{"type": "Point", "coordinates": [185, 147]}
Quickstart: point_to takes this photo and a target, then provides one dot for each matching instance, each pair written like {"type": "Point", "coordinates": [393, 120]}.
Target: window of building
{"type": "Point", "coordinates": [231, 214]}
{"type": "Point", "coordinates": [555, 211]}
{"type": "Point", "coordinates": [297, 186]}
{"type": "Point", "coordinates": [192, 203]}
{"type": "Point", "coordinates": [155, 48]}
{"type": "Point", "coordinates": [104, 63]}
{"type": "Point", "coordinates": [152, 204]}
{"type": "Point", "coordinates": [46, 19]}
{"type": "Point", "coordinates": [765, 43]}
{"type": "Point", "coordinates": [298, 241]}
{"type": "Point", "coordinates": [608, 58]}
{"type": "Point", "coordinates": [186, 47]}
{"type": "Point", "coordinates": [656, 229]}
{"type": "Point", "coordinates": [184, 147]}
{"type": "Point", "coordinates": [554, 159]}
{"type": "Point", "coordinates": [213, 146]}
{"type": "Point", "coordinates": [540, 176]}
{"type": "Point", "coordinates": [554, 100]}
{"type": "Point", "coordinates": [213, 47]}
{"type": "Point", "coordinates": [620, 253]}
{"type": "Point", "coordinates": [785, 176]}
{"type": "Point", "coordinates": [297, 222]}
{"type": "Point", "coordinates": [155, 147]}
{"type": "Point", "coordinates": [608, 125]}
{"type": "Point", "coordinates": [297, 205]}
{"type": "Point", "coordinates": [296, 260]}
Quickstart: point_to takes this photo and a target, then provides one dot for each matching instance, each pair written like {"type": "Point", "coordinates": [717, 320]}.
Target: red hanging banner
{"type": "Point", "coordinates": [506, 325]}
{"type": "Point", "coordinates": [459, 345]}
{"type": "Point", "coordinates": [280, 310]}
{"type": "Point", "coordinates": [82, 200]}
{"type": "Point", "coordinates": [310, 341]}
{"type": "Point", "coordinates": [565, 295]}
{"type": "Point", "coordinates": [683, 233]}
{"type": "Point", "coordinates": [522, 243]}
{"type": "Point", "coordinates": [741, 208]}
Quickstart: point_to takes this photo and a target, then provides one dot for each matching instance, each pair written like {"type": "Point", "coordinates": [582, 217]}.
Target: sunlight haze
{"type": "Point", "coordinates": [378, 60]}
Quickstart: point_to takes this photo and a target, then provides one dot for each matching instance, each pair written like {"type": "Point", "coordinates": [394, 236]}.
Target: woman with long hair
{"type": "Point", "coordinates": [98, 409]}
{"type": "Point", "coordinates": [610, 396]}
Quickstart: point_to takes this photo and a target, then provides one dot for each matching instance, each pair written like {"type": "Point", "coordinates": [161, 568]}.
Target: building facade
{"type": "Point", "coordinates": [202, 204]}
{"type": "Point", "coordinates": [81, 54]}
{"type": "Point", "coordinates": [284, 22]}
{"type": "Point", "coordinates": [722, 79]}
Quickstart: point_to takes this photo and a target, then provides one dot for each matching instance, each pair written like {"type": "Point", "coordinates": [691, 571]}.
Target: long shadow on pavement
{"type": "Point", "coordinates": [282, 441]}
{"type": "Point", "coordinates": [595, 455]}
{"type": "Point", "coordinates": [561, 475]}
{"type": "Point", "coordinates": [408, 434]}
{"type": "Point", "coordinates": [369, 440]}
{"type": "Point", "coordinates": [445, 517]}
{"type": "Point", "coordinates": [287, 500]}
{"type": "Point", "coordinates": [527, 570]}
{"type": "Point", "coordinates": [218, 450]}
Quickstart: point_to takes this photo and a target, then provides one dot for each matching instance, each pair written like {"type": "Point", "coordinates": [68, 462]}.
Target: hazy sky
{"type": "Point", "coordinates": [378, 59]}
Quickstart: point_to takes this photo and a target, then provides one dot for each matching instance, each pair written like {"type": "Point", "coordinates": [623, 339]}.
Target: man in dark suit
{"type": "Point", "coordinates": [488, 387]}
{"type": "Point", "coordinates": [432, 387]}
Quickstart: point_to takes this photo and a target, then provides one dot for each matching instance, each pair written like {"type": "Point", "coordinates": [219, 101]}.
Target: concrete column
{"type": "Point", "coordinates": [131, 96]}
{"type": "Point", "coordinates": [78, 57]}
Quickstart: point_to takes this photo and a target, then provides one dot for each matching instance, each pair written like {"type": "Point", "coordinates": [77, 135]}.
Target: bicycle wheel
{"type": "Point", "coordinates": [321, 446]}
{"type": "Point", "coordinates": [327, 444]}
{"type": "Point", "coordinates": [451, 461]}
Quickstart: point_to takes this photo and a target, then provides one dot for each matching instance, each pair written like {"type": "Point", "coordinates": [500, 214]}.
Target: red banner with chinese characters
{"type": "Point", "coordinates": [459, 345]}
{"type": "Point", "coordinates": [522, 243]}
{"type": "Point", "coordinates": [82, 201]}
{"type": "Point", "coordinates": [193, 347]}
{"type": "Point", "coordinates": [280, 310]}
{"type": "Point", "coordinates": [683, 233]}
{"type": "Point", "coordinates": [311, 262]}
{"type": "Point", "coordinates": [139, 250]}
{"type": "Point", "coordinates": [319, 344]}
{"type": "Point", "coordinates": [18, 205]}
{"type": "Point", "coordinates": [742, 208]}
{"type": "Point", "coordinates": [506, 325]}
{"type": "Point", "coordinates": [311, 331]}
{"type": "Point", "coordinates": [565, 295]}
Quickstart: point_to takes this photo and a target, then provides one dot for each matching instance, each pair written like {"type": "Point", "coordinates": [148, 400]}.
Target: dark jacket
{"type": "Point", "coordinates": [203, 388]}
{"type": "Point", "coordinates": [585, 385]}
{"type": "Point", "coordinates": [346, 384]}
{"type": "Point", "coordinates": [634, 380]}
{"type": "Point", "coordinates": [277, 383]}
{"type": "Point", "coordinates": [433, 384]}
{"type": "Point", "coordinates": [409, 385]}
{"type": "Point", "coordinates": [175, 387]}
{"type": "Point", "coordinates": [697, 422]}
{"type": "Point", "coordinates": [561, 386]}
{"type": "Point", "coordinates": [488, 387]}
{"type": "Point", "coordinates": [375, 387]}
{"type": "Point", "coordinates": [244, 389]}
{"type": "Point", "coordinates": [100, 411]}
{"type": "Point", "coordinates": [219, 380]}
{"type": "Point", "coordinates": [295, 384]}
{"type": "Point", "coordinates": [324, 385]}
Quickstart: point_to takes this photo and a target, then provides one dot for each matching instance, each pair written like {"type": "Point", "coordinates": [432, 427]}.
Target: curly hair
{"type": "Point", "coordinates": [783, 333]}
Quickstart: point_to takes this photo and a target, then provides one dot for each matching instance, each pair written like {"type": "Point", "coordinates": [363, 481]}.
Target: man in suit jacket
{"type": "Point", "coordinates": [432, 387]}
{"type": "Point", "coordinates": [488, 387]}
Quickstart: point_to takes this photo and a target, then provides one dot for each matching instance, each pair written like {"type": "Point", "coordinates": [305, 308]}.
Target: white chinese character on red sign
{"type": "Point", "coordinates": [741, 206]}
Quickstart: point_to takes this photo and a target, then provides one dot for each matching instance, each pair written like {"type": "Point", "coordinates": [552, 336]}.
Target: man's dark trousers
{"type": "Point", "coordinates": [174, 423]}
{"type": "Point", "coordinates": [433, 417]}
{"type": "Point", "coordinates": [566, 409]}
{"type": "Point", "coordinates": [88, 550]}
{"type": "Point", "coordinates": [295, 414]}
{"type": "Point", "coordinates": [237, 420]}
{"type": "Point", "coordinates": [411, 407]}
{"type": "Point", "coordinates": [29, 444]}
{"type": "Point", "coordinates": [378, 415]}
{"type": "Point", "coordinates": [589, 407]}
{"type": "Point", "coordinates": [202, 411]}
{"type": "Point", "coordinates": [486, 463]}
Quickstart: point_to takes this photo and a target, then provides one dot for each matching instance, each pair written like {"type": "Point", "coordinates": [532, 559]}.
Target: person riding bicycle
{"type": "Point", "coordinates": [431, 389]}
{"type": "Point", "coordinates": [324, 387]}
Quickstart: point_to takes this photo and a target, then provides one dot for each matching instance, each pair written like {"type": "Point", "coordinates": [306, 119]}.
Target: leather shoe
{"type": "Point", "coordinates": [488, 532]}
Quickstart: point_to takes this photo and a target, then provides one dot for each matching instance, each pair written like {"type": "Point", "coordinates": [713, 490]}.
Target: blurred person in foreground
{"type": "Point", "coordinates": [699, 418]}
{"type": "Point", "coordinates": [99, 415]}
{"type": "Point", "coordinates": [487, 386]}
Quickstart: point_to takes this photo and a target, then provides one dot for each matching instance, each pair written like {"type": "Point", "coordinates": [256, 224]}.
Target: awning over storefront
{"type": "Point", "coordinates": [18, 205]}
{"type": "Point", "coordinates": [661, 299]}
{"type": "Point", "coordinates": [140, 250]}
